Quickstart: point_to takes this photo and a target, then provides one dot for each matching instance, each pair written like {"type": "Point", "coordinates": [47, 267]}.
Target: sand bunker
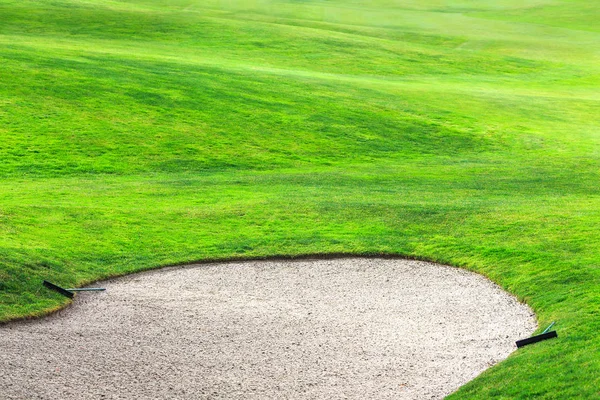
{"type": "Point", "coordinates": [313, 329]}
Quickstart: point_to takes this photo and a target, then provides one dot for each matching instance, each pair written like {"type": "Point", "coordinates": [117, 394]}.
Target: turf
{"type": "Point", "coordinates": [142, 133]}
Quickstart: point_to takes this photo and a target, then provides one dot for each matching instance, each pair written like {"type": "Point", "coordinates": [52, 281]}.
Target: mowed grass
{"type": "Point", "coordinates": [136, 134]}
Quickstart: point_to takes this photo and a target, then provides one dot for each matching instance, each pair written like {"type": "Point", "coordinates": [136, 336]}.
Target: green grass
{"type": "Point", "coordinates": [142, 133]}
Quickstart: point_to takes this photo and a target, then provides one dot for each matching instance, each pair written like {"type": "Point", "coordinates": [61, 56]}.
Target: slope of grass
{"type": "Point", "coordinates": [136, 134]}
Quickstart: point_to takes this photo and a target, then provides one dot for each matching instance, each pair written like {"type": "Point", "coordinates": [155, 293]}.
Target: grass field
{"type": "Point", "coordinates": [141, 133]}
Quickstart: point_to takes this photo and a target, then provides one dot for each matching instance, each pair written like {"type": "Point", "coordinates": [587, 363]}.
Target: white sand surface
{"type": "Point", "coordinates": [351, 328]}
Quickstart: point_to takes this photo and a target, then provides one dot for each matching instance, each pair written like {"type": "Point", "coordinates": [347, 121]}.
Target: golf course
{"type": "Point", "coordinates": [138, 134]}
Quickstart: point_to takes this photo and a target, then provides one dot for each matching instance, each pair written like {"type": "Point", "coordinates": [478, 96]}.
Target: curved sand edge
{"type": "Point", "coordinates": [342, 328]}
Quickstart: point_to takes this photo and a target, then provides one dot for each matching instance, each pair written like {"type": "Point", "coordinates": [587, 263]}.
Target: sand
{"type": "Point", "coordinates": [351, 328]}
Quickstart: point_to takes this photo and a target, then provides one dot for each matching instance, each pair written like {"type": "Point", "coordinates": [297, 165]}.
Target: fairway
{"type": "Point", "coordinates": [138, 134]}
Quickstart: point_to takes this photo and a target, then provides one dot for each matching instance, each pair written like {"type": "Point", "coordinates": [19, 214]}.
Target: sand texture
{"type": "Point", "coordinates": [349, 328]}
